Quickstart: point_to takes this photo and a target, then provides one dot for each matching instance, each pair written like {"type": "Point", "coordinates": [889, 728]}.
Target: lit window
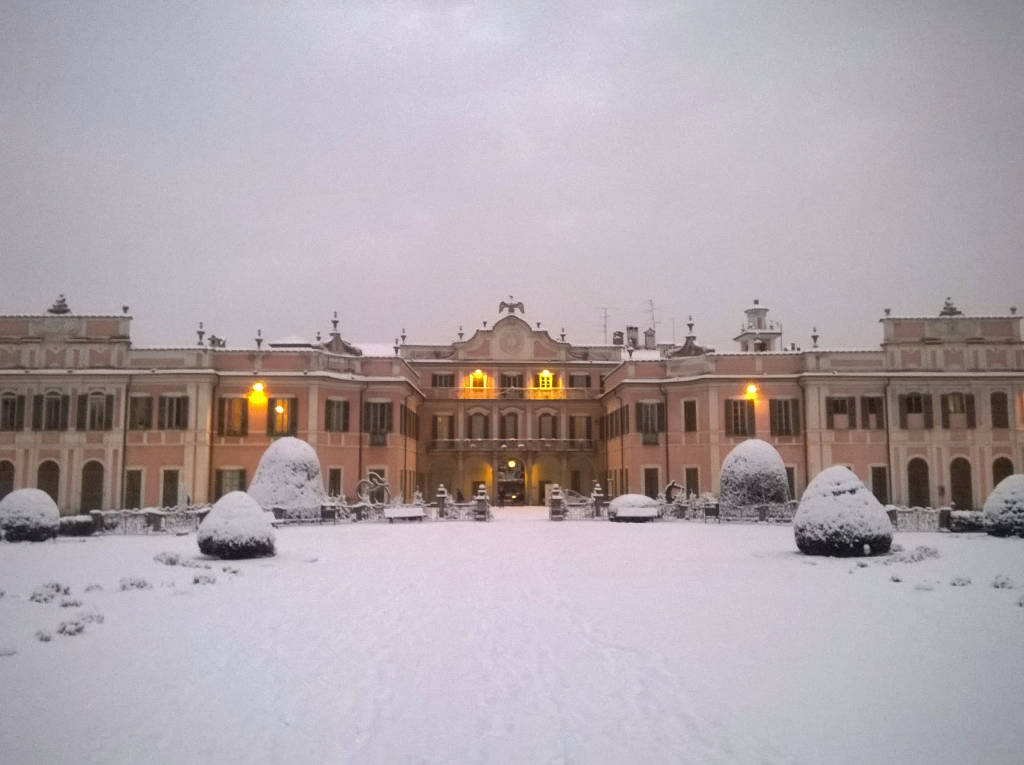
{"type": "Point", "coordinates": [281, 419]}
{"type": "Point", "coordinates": [545, 381]}
{"type": "Point", "coordinates": [233, 417]}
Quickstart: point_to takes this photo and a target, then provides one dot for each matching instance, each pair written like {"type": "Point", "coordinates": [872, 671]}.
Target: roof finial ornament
{"type": "Point", "coordinates": [814, 337]}
{"type": "Point", "coordinates": [259, 339]}
{"type": "Point", "coordinates": [199, 333]}
{"type": "Point", "coordinates": [562, 335]}
{"type": "Point", "coordinates": [689, 324]}
{"type": "Point", "coordinates": [334, 323]}
{"type": "Point", "coordinates": [511, 306]}
{"type": "Point", "coordinates": [403, 335]}
{"type": "Point", "coordinates": [60, 306]}
{"type": "Point", "coordinates": [949, 309]}
{"type": "Point", "coordinates": [460, 333]}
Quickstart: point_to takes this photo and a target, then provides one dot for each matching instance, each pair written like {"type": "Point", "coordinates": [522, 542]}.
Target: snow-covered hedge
{"type": "Point", "coordinates": [839, 516]}
{"type": "Point", "coordinates": [77, 526]}
{"type": "Point", "coordinates": [633, 507]}
{"type": "Point", "coordinates": [28, 515]}
{"type": "Point", "coordinates": [753, 474]}
{"type": "Point", "coordinates": [288, 477]}
{"type": "Point", "coordinates": [1004, 508]}
{"type": "Point", "coordinates": [236, 527]}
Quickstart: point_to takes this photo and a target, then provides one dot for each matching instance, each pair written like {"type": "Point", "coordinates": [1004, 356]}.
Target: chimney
{"type": "Point", "coordinates": [632, 336]}
{"type": "Point", "coordinates": [617, 338]}
{"type": "Point", "coordinates": [649, 342]}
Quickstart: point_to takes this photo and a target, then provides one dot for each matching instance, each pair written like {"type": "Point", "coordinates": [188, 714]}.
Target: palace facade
{"type": "Point", "coordinates": [933, 416]}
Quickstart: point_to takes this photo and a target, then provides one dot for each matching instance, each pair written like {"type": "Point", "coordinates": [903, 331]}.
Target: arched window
{"type": "Point", "coordinates": [509, 425]}
{"type": "Point", "coordinates": [960, 490]}
{"type": "Point", "coordinates": [918, 494]}
{"type": "Point", "coordinates": [477, 425]}
{"type": "Point", "coordinates": [1002, 468]}
{"type": "Point", "coordinates": [92, 486]}
{"type": "Point", "coordinates": [548, 426]}
{"type": "Point", "coordinates": [48, 479]}
{"type": "Point", "coordinates": [6, 478]}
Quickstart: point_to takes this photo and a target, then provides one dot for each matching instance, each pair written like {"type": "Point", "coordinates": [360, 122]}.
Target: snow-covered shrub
{"type": "Point", "coordinates": [960, 581]}
{"type": "Point", "coordinates": [966, 520]}
{"type": "Point", "coordinates": [1004, 508]}
{"type": "Point", "coordinates": [633, 507]}
{"type": "Point", "coordinates": [1002, 582]}
{"type": "Point", "coordinates": [77, 526]}
{"type": "Point", "coordinates": [72, 627]}
{"type": "Point", "coordinates": [288, 477]}
{"type": "Point", "coordinates": [753, 474]}
{"type": "Point", "coordinates": [204, 579]}
{"type": "Point", "coordinates": [236, 527]}
{"type": "Point", "coordinates": [167, 558]}
{"type": "Point", "coordinates": [28, 515]}
{"type": "Point", "coordinates": [44, 593]}
{"type": "Point", "coordinates": [70, 603]}
{"type": "Point", "coordinates": [134, 583]}
{"type": "Point", "coordinates": [839, 516]}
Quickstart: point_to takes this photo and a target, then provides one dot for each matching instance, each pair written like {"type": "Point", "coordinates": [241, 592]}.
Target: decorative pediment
{"type": "Point", "coordinates": [510, 338]}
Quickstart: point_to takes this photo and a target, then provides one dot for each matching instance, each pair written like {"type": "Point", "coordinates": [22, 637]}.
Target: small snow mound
{"type": "Point", "coordinates": [236, 527]}
{"type": "Point", "coordinates": [633, 507]}
{"type": "Point", "coordinates": [632, 500]}
{"type": "Point", "coordinates": [839, 516]}
{"type": "Point", "coordinates": [753, 474]}
{"type": "Point", "coordinates": [28, 515]}
{"type": "Point", "coordinates": [1004, 508]}
{"type": "Point", "coordinates": [288, 477]}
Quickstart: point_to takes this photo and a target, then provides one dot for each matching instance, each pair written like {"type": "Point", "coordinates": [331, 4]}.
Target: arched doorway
{"type": "Point", "coordinates": [6, 478]}
{"type": "Point", "coordinates": [917, 483]}
{"type": "Point", "coordinates": [1001, 468]}
{"type": "Point", "coordinates": [511, 481]}
{"type": "Point", "coordinates": [92, 486]}
{"type": "Point", "coordinates": [48, 479]}
{"type": "Point", "coordinates": [960, 490]}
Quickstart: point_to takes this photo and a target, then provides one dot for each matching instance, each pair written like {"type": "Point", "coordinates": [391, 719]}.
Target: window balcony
{"type": "Point", "coordinates": [516, 394]}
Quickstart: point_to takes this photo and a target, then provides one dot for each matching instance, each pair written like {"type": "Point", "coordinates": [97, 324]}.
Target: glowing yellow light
{"type": "Point", "coordinates": [751, 390]}
{"type": "Point", "coordinates": [545, 373]}
{"type": "Point", "coordinates": [478, 373]}
{"type": "Point", "coordinates": [258, 387]}
{"type": "Point", "coordinates": [511, 463]}
{"type": "Point", "coordinates": [279, 409]}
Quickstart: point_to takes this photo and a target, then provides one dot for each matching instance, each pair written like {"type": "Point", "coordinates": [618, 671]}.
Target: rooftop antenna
{"type": "Point", "coordinates": [604, 309]}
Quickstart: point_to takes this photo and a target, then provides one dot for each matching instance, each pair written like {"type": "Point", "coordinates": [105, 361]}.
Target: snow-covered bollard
{"type": "Point", "coordinates": [753, 474]}
{"type": "Point", "coordinates": [236, 527]}
{"type": "Point", "coordinates": [1004, 509]}
{"type": "Point", "coordinates": [839, 516]}
{"type": "Point", "coordinates": [28, 515]}
{"type": "Point", "coordinates": [288, 478]}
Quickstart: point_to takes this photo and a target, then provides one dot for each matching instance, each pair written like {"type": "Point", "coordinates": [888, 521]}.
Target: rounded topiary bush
{"type": "Point", "coordinates": [28, 515]}
{"type": "Point", "coordinates": [839, 516]}
{"type": "Point", "coordinates": [236, 527]}
{"type": "Point", "coordinates": [288, 477]}
{"type": "Point", "coordinates": [1004, 508]}
{"type": "Point", "coordinates": [77, 526]}
{"type": "Point", "coordinates": [753, 474]}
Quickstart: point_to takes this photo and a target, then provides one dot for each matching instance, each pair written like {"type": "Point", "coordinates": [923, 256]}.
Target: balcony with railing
{"type": "Point", "coordinates": [515, 394]}
{"type": "Point", "coordinates": [513, 444]}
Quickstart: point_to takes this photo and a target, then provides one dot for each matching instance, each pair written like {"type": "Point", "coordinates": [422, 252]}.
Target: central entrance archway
{"type": "Point", "coordinates": [511, 481]}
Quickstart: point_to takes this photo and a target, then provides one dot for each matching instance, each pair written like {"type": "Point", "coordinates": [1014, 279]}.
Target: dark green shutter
{"type": "Point", "coordinates": [589, 434]}
{"type": "Point", "coordinates": [944, 410]}
{"type": "Point", "coordinates": [929, 421]}
{"type": "Point", "coordinates": [108, 414]}
{"type": "Point", "coordinates": [662, 422]}
{"type": "Point", "coordinates": [37, 412]}
{"type": "Point", "coordinates": [149, 412]}
{"type": "Point", "coordinates": [271, 403]}
{"type": "Point", "coordinates": [183, 413]}
{"type": "Point", "coordinates": [773, 416]}
{"type": "Point", "coordinates": [795, 411]}
{"type": "Point", "coordinates": [751, 422]}
{"type": "Point", "coordinates": [218, 484]}
{"type": "Point", "coordinates": [829, 419]}
{"type": "Point", "coordinates": [851, 412]}
{"type": "Point", "coordinates": [389, 415]}
{"type": "Point", "coordinates": [82, 416]}
{"type": "Point", "coordinates": [293, 416]}
{"type": "Point", "coordinates": [902, 400]}
{"type": "Point", "coordinates": [222, 406]}
{"type": "Point", "coordinates": [971, 417]}
{"type": "Point", "coordinates": [65, 411]}
{"type": "Point", "coordinates": [344, 416]}
{"type": "Point", "coordinates": [19, 413]}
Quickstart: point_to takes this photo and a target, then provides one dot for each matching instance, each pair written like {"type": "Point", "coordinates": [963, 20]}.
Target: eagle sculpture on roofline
{"type": "Point", "coordinates": [511, 306]}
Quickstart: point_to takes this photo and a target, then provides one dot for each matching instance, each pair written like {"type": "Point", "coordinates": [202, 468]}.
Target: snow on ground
{"type": "Point", "coordinates": [519, 640]}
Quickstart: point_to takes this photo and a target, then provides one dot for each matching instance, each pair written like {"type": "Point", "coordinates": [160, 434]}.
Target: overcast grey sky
{"type": "Point", "coordinates": [261, 164]}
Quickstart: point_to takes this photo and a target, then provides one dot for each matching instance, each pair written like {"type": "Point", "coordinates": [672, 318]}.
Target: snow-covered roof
{"type": "Point", "coordinates": [291, 341]}
{"type": "Point", "coordinates": [376, 349]}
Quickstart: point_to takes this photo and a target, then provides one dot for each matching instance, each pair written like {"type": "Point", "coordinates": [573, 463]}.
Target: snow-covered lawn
{"type": "Point", "coordinates": [517, 641]}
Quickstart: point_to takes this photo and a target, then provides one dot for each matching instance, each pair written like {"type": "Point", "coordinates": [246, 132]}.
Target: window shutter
{"type": "Point", "coordinates": [222, 412]}
{"type": "Point", "coordinates": [944, 410]}
{"type": "Point", "coordinates": [883, 417]}
{"type": "Point", "coordinates": [389, 417]}
{"type": "Point", "coordinates": [242, 478]}
{"type": "Point", "coordinates": [501, 427]}
{"type": "Point", "coordinates": [851, 412]}
{"type": "Point", "coordinates": [794, 405]}
{"type": "Point", "coordinates": [19, 413]}
{"type": "Point", "coordinates": [971, 418]}
{"type": "Point", "coordinates": [929, 421]}
{"type": "Point", "coordinates": [183, 414]}
{"type": "Point", "coordinates": [271, 403]}
{"type": "Point", "coordinates": [828, 414]}
{"type": "Point", "coordinates": [863, 413]}
{"type": "Point", "coordinates": [80, 418]}
{"type": "Point", "coordinates": [1000, 410]}
{"type": "Point", "coordinates": [751, 424]}
{"type": "Point", "coordinates": [572, 427]}
{"type": "Point", "coordinates": [536, 381]}
{"type": "Point", "coordinates": [730, 405]}
{"type": "Point", "coordinates": [37, 412]}
{"type": "Point", "coordinates": [662, 422]}
{"type": "Point", "coordinates": [433, 427]}
{"type": "Point", "coordinates": [902, 398]}
{"type": "Point", "coordinates": [344, 416]}
{"type": "Point", "coordinates": [588, 435]}
{"type": "Point", "coordinates": [293, 416]}
{"type": "Point", "coordinates": [108, 414]}
{"type": "Point", "coordinates": [65, 410]}
{"type": "Point", "coordinates": [149, 412]}
{"type": "Point", "coordinates": [161, 412]}
{"type": "Point", "coordinates": [773, 416]}
{"type": "Point", "coordinates": [218, 483]}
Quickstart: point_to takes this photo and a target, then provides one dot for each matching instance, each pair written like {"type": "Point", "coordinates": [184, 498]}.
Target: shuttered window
{"type": "Point", "coordinates": [282, 416]}
{"type": "Point", "coordinates": [173, 413]}
{"type": "Point", "coordinates": [233, 416]}
{"type": "Point", "coordinates": [957, 410]}
{"type": "Point", "coordinates": [12, 412]}
{"type": "Point", "coordinates": [336, 416]}
{"type": "Point", "coordinates": [784, 414]}
{"type": "Point", "coordinates": [999, 404]}
{"type": "Point", "coordinates": [872, 412]}
{"type": "Point", "coordinates": [690, 416]}
{"type": "Point", "coordinates": [739, 417]}
{"type": "Point", "coordinates": [915, 404]}
{"type": "Point", "coordinates": [840, 412]}
{"type": "Point", "coordinates": [377, 417]}
{"type": "Point", "coordinates": [95, 411]}
{"type": "Point", "coordinates": [140, 413]}
{"type": "Point", "coordinates": [650, 417]}
{"type": "Point", "coordinates": [50, 411]}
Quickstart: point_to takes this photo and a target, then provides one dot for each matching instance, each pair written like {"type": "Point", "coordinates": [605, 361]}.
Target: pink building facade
{"type": "Point", "coordinates": [934, 416]}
